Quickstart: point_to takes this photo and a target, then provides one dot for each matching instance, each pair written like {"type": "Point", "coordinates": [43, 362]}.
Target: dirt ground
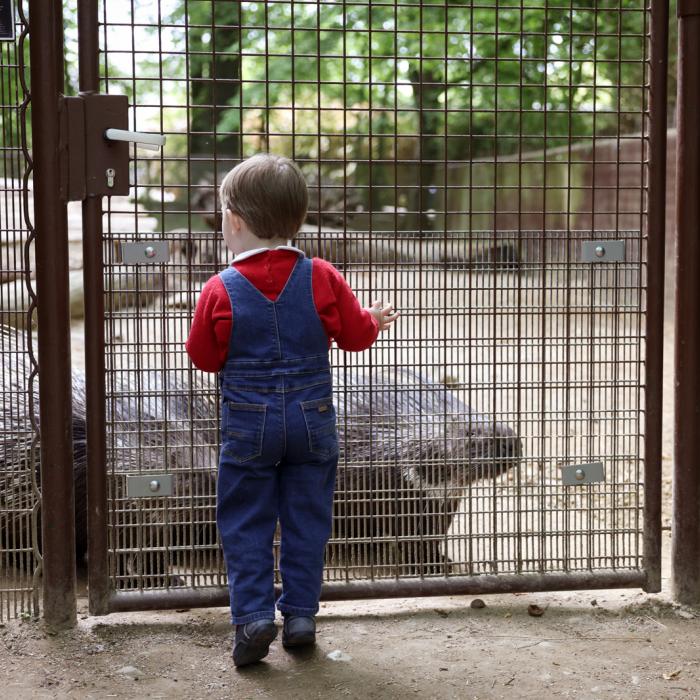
{"type": "Point", "coordinates": [604, 644]}
{"type": "Point", "coordinates": [595, 644]}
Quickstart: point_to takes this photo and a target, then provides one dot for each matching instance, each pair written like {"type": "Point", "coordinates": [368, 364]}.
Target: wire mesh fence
{"type": "Point", "coordinates": [19, 460]}
{"type": "Point", "coordinates": [458, 157]}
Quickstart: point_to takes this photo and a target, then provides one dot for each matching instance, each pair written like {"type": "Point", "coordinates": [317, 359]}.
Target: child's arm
{"type": "Point", "coordinates": [207, 343]}
{"type": "Point", "coordinates": [352, 327]}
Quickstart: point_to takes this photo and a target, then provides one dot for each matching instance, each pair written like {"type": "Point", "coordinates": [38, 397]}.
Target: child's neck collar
{"type": "Point", "coordinates": [255, 251]}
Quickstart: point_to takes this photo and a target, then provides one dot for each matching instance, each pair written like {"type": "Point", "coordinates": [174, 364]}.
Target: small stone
{"type": "Point", "coordinates": [130, 672]}
{"type": "Point", "coordinates": [685, 614]}
{"type": "Point", "coordinates": [477, 604]}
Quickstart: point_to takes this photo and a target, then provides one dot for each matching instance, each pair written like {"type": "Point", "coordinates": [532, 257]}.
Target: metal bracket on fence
{"type": "Point", "coordinates": [94, 148]}
{"type": "Point", "coordinates": [578, 474]}
{"type": "Point", "coordinates": [149, 485]}
{"type": "Point", "coordinates": [602, 251]}
{"type": "Point", "coordinates": [145, 252]}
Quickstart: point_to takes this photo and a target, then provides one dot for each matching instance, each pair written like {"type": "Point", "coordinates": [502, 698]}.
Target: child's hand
{"type": "Point", "coordinates": [385, 315]}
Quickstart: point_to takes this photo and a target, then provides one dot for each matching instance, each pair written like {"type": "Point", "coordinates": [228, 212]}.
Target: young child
{"type": "Point", "coordinates": [265, 324]}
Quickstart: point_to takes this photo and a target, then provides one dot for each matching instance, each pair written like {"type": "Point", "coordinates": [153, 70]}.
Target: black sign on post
{"type": "Point", "coordinates": [7, 21]}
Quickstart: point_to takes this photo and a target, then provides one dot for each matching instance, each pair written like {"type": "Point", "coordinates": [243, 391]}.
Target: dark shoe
{"type": "Point", "coordinates": [298, 631]}
{"type": "Point", "coordinates": [253, 641]}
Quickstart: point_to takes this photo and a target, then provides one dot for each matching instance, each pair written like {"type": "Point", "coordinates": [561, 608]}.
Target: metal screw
{"type": "Point", "coordinates": [154, 485]}
{"type": "Point", "coordinates": [599, 251]}
{"type": "Point", "coordinates": [580, 475]}
{"type": "Point", "coordinates": [150, 251]}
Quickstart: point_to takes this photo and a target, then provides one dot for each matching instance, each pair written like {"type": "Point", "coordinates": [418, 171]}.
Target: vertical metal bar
{"type": "Point", "coordinates": [51, 223]}
{"type": "Point", "coordinates": [656, 234]}
{"type": "Point", "coordinates": [686, 493]}
{"type": "Point", "coordinates": [98, 583]}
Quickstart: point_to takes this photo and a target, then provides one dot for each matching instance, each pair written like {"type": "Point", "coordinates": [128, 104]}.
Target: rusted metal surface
{"type": "Point", "coordinates": [458, 585]}
{"type": "Point", "coordinates": [656, 234]}
{"type": "Point", "coordinates": [688, 8]}
{"type": "Point", "coordinates": [98, 579]}
{"type": "Point", "coordinates": [50, 220]}
{"type": "Point", "coordinates": [463, 197]}
{"type": "Point", "coordinates": [686, 482]}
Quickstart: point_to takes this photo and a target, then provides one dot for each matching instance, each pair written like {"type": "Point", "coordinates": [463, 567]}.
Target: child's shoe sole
{"type": "Point", "coordinates": [254, 649]}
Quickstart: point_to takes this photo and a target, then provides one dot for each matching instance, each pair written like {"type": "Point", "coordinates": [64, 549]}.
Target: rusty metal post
{"type": "Point", "coordinates": [98, 580]}
{"type": "Point", "coordinates": [686, 481]}
{"type": "Point", "coordinates": [58, 521]}
{"type": "Point", "coordinates": [656, 230]}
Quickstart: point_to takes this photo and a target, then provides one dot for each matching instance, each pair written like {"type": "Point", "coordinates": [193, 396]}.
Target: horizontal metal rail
{"type": "Point", "coordinates": [175, 598]}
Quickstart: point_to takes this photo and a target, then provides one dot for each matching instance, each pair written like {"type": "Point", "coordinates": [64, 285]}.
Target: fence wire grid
{"type": "Point", "coordinates": [458, 158]}
{"type": "Point", "coordinates": [20, 498]}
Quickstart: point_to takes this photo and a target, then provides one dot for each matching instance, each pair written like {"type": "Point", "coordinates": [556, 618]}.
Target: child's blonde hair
{"type": "Point", "coordinates": [269, 193]}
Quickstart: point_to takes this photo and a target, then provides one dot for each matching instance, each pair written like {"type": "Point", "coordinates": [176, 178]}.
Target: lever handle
{"type": "Point", "coordinates": [151, 142]}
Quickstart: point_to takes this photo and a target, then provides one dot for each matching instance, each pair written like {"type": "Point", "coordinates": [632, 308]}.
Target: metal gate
{"type": "Point", "coordinates": [492, 169]}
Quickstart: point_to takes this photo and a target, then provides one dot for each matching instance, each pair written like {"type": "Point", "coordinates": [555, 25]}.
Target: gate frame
{"type": "Point", "coordinates": [685, 543]}
{"type": "Point", "coordinates": [53, 307]}
{"type": "Point", "coordinates": [656, 253]}
{"type": "Point", "coordinates": [103, 600]}
{"type": "Point", "coordinates": [96, 414]}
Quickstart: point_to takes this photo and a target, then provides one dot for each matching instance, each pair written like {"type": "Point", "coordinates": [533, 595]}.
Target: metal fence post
{"type": "Point", "coordinates": [656, 231]}
{"type": "Point", "coordinates": [58, 521]}
{"type": "Point", "coordinates": [98, 580]}
{"type": "Point", "coordinates": [686, 481]}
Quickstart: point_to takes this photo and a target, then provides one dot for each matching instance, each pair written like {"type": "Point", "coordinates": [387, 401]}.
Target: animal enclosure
{"type": "Point", "coordinates": [483, 166]}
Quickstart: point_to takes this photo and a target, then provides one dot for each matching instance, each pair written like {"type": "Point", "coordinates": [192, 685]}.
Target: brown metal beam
{"type": "Point", "coordinates": [686, 483]}
{"type": "Point", "coordinates": [55, 415]}
{"type": "Point", "coordinates": [656, 236]}
{"type": "Point", "coordinates": [98, 577]}
{"type": "Point", "coordinates": [390, 588]}
{"type": "Point", "coordinates": [688, 8]}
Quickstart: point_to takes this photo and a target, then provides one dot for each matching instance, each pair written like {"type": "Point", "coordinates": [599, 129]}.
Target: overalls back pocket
{"type": "Point", "coordinates": [242, 429]}
{"type": "Point", "coordinates": [319, 415]}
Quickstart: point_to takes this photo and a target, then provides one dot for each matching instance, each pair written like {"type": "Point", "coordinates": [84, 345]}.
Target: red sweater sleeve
{"type": "Point", "coordinates": [352, 327]}
{"type": "Point", "coordinates": [345, 321]}
{"type": "Point", "coordinates": [207, 343]}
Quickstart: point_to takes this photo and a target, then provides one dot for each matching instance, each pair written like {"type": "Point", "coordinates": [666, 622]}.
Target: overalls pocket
{"type": "Point", "coordinates": [319, 415]}
{"type": "Point", "coordinates": [242, 428]}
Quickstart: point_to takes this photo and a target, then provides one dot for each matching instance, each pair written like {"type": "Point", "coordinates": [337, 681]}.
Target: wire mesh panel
{"type": "Point", "coordinates": [19, 457]}
{"type": "Point", "coordinates": [461, 159]}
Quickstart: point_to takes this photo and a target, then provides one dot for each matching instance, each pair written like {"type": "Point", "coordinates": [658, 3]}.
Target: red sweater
{"type": "Point", "coordinates": [345, 321]}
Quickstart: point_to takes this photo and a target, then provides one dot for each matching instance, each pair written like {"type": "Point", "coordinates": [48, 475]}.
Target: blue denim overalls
{"type": "Point", "coordinates": [279, 447]}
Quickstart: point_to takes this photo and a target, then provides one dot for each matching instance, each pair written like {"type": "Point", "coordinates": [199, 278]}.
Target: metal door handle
{"type": "Point", "coordinates": [151, 142]}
